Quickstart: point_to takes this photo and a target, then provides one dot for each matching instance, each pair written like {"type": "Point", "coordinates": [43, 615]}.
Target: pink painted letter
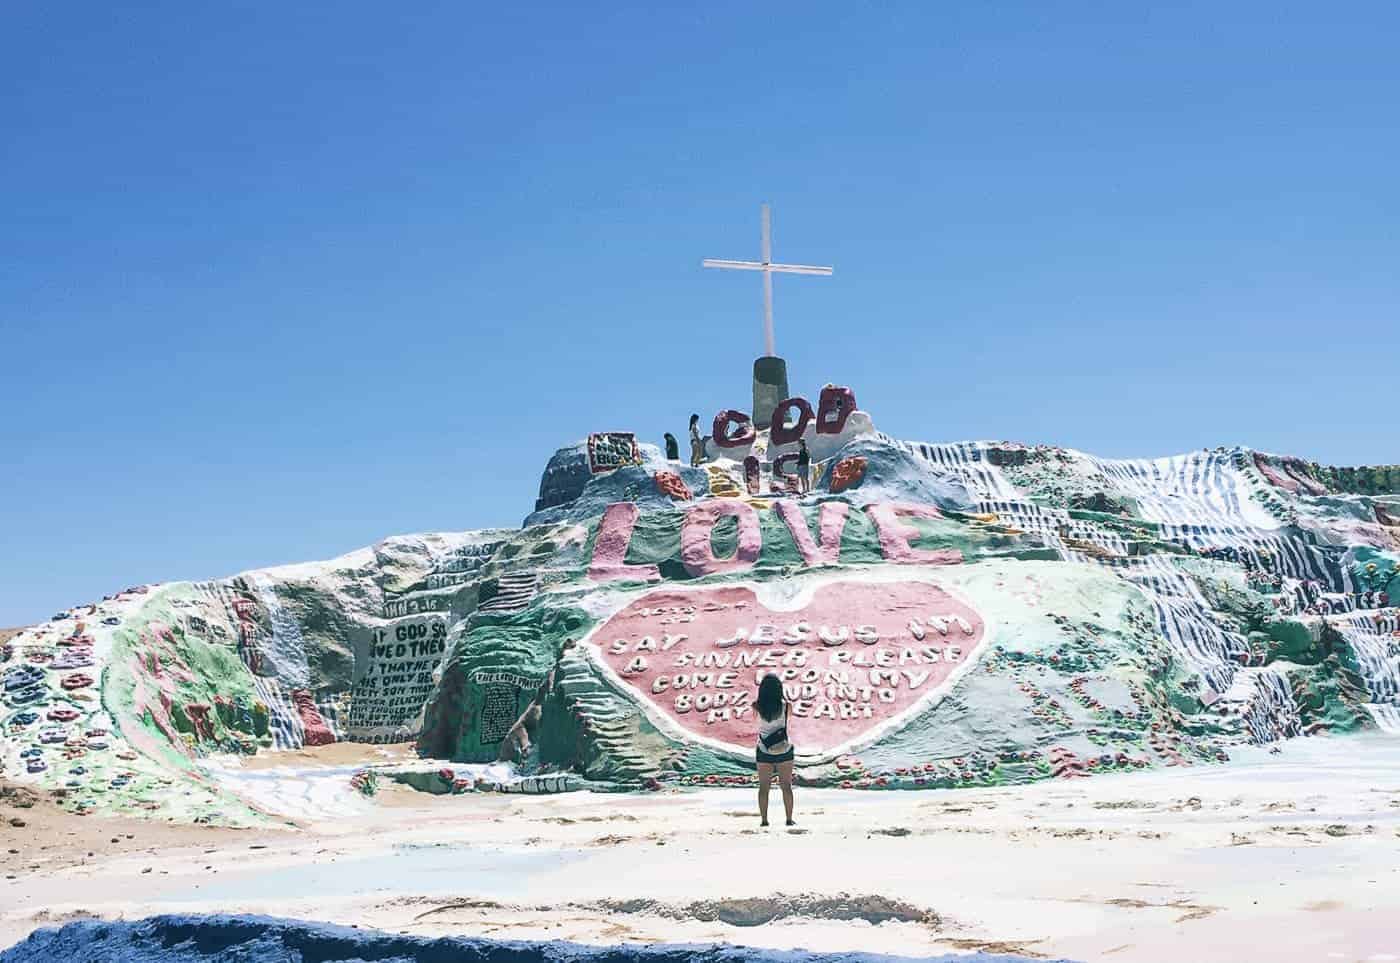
{"type": "Point", "coordinates": [895, 536]}
{"type": "Point", "coordinates": [831, 520]}
{"type": "Point", "coordinates": [697, 550]}
{"type": "Point", "coordinates": [610, 547]}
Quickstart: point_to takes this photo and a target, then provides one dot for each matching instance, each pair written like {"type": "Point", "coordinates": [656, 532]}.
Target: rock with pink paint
{"type": "Point", "coordinates": [939, 614]}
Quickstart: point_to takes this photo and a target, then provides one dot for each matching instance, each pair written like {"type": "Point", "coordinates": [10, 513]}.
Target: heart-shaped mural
{"type": "Point", "coordinates": [856, 657]}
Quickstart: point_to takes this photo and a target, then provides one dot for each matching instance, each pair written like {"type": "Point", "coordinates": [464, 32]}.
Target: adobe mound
{"type": "Point", "coordinates": [941, 615]}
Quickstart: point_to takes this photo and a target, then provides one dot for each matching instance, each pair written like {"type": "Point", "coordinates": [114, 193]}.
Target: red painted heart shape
{"type": "Point", "coordinates": [856, 658]}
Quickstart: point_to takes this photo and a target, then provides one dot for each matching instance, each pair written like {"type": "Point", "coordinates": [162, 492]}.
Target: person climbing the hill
{"type": "Point", "coordinates": [673, 448]}
{"type": "Point", "coordinates": [774, 751]}
{"type": "Point", "coordinates": [697, 444]}
{"type": "Point", "coordinates": [804, 466]}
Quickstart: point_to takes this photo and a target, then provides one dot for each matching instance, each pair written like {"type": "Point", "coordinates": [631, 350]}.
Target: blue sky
{"type": "Point", "coordinates": [278, 280]}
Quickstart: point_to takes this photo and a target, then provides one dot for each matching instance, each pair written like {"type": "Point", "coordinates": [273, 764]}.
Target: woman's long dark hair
{"type": "Point", "coordinates": [770, 697]}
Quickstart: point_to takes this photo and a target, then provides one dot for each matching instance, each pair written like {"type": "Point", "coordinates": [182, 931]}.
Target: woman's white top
{"type": "Point", "coordinates": [768, 728]}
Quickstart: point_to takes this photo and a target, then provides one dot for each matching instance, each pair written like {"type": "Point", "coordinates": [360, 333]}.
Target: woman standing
{"type": "Point", "coordinates": [697, 444]}
{"type": "Point", "coordinates": [774, 751]}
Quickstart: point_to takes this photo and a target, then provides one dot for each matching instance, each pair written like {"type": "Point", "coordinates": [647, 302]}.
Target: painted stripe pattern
{"type": "Point", "coordinates": [514, 590]}
{"type": "Point", "coordinates": [1213, 500]}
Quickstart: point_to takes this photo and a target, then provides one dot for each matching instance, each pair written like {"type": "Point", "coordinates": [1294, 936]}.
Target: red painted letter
{"type": "Point", "coordinates": [753, 480]}
{"type": "Point", "coordinates": [783, 479]}
{"type": "Point", "coordinates": [740, 436]}
{"type": "Point", "coordinates": [833, 408]}
{"type": "Point", "coordinates": [779, 435]}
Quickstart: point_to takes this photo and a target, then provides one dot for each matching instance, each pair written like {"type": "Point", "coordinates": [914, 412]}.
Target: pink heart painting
{"type": "Point", "coordinates": [855, 657]}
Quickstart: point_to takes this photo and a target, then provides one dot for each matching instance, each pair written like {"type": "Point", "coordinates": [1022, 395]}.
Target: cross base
{"type": "Point", "coordinates": [770, 386]}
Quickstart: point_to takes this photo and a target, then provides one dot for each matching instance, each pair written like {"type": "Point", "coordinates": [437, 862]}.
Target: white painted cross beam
{"type": "Point", "coordinates": [769, 269]}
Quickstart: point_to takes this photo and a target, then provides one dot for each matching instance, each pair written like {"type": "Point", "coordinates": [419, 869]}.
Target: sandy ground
{"type": "Point", "coordinates": [1294, 856]}
{"type": "Point", "coordinates": [36, 837]}
{"type": "Point", "coordinates": [336, 754]}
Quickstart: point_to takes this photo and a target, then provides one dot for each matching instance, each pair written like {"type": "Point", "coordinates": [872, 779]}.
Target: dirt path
{"type": "Point", "coordinates": [36, 836]}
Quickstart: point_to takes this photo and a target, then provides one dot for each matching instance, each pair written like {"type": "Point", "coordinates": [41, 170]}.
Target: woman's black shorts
{"type": "Point", "coordinates": [771, 759]}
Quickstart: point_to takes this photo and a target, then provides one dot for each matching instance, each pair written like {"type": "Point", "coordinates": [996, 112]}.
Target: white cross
{"type": "Point", "coordinates": [768, 268]}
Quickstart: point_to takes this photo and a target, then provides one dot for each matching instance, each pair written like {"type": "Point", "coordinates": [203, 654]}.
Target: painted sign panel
{"type": "Point", "coordinates": [398, 677]}
{"type": "Point", "coordinates": [395, 608]}
{"type": "Point", "coordinates": [498, 712]}
{"type": "Point", "coordinates": [855, 657]}
{"type": "Point", "coordinates": [612, 449]}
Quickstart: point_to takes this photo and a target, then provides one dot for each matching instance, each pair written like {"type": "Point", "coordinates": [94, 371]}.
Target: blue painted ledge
{"type": "Point", "coordinates": [188, 938]}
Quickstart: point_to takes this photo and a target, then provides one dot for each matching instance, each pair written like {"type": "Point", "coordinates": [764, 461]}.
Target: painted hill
{"type": "Point", "coordinates": [941, 615]}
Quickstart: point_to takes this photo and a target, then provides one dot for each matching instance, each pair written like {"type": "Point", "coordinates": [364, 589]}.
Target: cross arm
{"type": "Point", "coordinates": [800, 269]}
{"type": "Point", "coordinates": [711, 262]}
{"type": "Point", "coordinates": [734, 265]}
